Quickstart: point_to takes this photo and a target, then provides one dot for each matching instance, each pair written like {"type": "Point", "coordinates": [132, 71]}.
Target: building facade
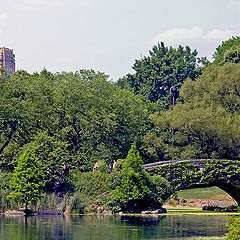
{"type": "Point", "coordinates": [7, 60]}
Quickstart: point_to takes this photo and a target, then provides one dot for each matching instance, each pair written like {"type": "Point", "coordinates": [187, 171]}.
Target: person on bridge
{"type": "Point", "coordinates": [114, 164]}
{"type": "Point", "coordinates": [65, 169]}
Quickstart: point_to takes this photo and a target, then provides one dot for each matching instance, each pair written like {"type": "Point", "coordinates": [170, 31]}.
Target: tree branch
{"type": "Point", "coordinates": [13, 125]}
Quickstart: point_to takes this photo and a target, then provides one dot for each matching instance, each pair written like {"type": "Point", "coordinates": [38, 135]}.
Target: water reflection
{"type": "Point", "coordinates": [148, 220]}
{"type": "Point", "coordinates": [110, 227]}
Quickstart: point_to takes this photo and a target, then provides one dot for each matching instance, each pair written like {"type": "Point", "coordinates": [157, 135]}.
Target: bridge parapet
{"type": "Point", "coordinates": [197, 162]}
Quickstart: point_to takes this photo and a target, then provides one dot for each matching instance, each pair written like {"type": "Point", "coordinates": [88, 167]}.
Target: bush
{"type": "Point", "coordinates": [160, 189]}
{"type": "Point", "coordinates": [118, 165]}
{"type": "Point", "coordinates": [27, 182]}
{"type": "Point", "coordinates": [90, 184]}
{"type": "Point", "coordinates": [102, 166]}
{"type": "Point", "coordinates": [78, 204]}
{"type": "Point", "coordinates": [233, 228]}
{"type": "Point", "coordinates": [113, 180]}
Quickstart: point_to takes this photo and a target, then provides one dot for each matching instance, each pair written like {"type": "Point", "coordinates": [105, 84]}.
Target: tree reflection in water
{"type": "Point", "coordinates": [148, 220]}
{"type": "Point", "coordinates": [111, 227]}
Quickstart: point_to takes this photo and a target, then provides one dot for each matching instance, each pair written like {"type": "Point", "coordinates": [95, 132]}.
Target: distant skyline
{"type": "Point", "coordinates": [108, 35]}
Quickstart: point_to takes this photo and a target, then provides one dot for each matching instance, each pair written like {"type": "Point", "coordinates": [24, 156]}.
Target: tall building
{"type": "Point", "coordinates": [7, 60]}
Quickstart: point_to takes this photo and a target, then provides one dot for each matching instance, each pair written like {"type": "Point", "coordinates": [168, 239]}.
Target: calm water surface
{"type": "Point", "coordinates": [113, 227]}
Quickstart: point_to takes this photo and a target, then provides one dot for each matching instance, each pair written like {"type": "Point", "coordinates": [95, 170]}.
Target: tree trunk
{"type": "Point", "coordinates": [13, 126]}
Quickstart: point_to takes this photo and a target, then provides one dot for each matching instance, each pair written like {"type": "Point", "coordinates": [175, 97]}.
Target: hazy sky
{"type": "Point", "coordinates": [108, 35]}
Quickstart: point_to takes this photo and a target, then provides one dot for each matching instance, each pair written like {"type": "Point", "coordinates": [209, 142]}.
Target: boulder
{"type": "Point", "coordinates": [159, 211]}
{"type": "Point", "coordinates": [146, 212]}
{"type": "Point", "coordinates": [100, 209]}
{"type": "Point", "coordinates": [14, 213]}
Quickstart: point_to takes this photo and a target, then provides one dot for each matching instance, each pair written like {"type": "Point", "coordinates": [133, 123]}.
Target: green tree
{"type": "Point", "coordinates": [163, 69]}
{"type": "Point", "coordinates": [222, 52]}
{"type": "Point", "coordinates": [134, 189]}
{"type": "Point", "coordinates": [27, 182]}
{"type": "Point", "coordinates": [51, 154]}
{"type": "Point", "coordinates": [232, 55]}
{"type": "Point", "coordinates": [206, 124]}
{"type": "Point", "coordinates": [14, 109]}
{"type": "Point", "coordinates": [78, 118]}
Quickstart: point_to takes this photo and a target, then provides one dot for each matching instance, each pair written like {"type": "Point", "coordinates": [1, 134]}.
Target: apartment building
{"type": "Point", "coordinates": [7, 60]}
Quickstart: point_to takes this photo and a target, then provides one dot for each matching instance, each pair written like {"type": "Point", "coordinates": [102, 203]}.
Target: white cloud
{"type": "Point", "coordinates": [195, 37]}
{"type": "Point", "coordinates": [177, 35]}
{"type": "Point", "coordinates": [35, 4]}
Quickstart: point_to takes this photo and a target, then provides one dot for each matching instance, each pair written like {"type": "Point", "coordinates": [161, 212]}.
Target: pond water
{"type": "Point", "coordinates": [189, 227]}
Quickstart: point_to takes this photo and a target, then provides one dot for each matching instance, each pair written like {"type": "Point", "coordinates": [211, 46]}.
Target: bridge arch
{"type": "Point", "coordinates": [185, 174]}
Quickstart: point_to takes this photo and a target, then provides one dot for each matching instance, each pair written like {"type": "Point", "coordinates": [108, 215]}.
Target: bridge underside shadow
{"type": "Point", "coordinates": [229, 189]}
{"type": "Point", "coordinates": [224, 174]}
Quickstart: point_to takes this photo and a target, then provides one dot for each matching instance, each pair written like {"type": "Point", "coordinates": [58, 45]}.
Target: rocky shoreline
{"type": "Point", "coordinates": [33, 213]}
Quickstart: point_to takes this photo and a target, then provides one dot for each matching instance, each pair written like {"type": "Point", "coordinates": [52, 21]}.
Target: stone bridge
{"type": "Point", "coordinates": [185, 174]}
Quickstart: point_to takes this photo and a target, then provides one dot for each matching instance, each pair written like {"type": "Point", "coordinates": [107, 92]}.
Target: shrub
{"type": "Point", "coordinates": [90, 184]}
{"type": "Point", "coordinates": [160, 189]}
{"type": "Point", "coordinates": [78, 203]}
{"type": "Point", "coordinates": [113, 180]}
{"type": "Point", "coordinates": [102, 166]}
{"type": "Point", "coordinates": [119, 163]}
{"type": "Point", "coordinates": [233, 228]}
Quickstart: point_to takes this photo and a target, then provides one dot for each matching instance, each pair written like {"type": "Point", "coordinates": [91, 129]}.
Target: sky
{"type": "Point", "coordinates": [109, 35]}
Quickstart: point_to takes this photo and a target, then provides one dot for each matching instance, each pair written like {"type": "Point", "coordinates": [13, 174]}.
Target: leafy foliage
{"type": "Point", "coordinates": [133, 189]}
{"type": "Point", "coordinates": [134, 181]}
{"type": "Point", "coordinates": [90, 184]}
{"type": "Point", "coordinates": [77, 118]}
{"type": "Point", "coordinates": [51, 154]}
{"type": "Point", "coordinates": [222, 53]}
{"type": "Point", "coordinates": [206, 124]}
{"type": "Point", "coordinates": [164, 68]}
{"type": "Point", "coordinates": [232, 55]}
{"type": "Point", "coordinates": [233, 228]}
{"type": "Point", "coordinates": [27, 183]}
{"type": "Point", "coordinates": [113, 180]}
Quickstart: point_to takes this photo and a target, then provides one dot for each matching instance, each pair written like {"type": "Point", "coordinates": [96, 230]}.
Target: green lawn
{"type": "Point", "coordinates": [213, 193]}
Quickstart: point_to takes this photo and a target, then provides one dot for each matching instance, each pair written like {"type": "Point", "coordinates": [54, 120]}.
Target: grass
{"type": "Point", "coordinates": [213, 193]}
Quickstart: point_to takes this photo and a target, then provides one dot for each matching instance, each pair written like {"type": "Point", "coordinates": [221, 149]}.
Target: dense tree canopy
{"type": "Point", "coordinates": [163, 69]}
{"type": "Point", "coordinates": [207, 123]}
{"type": "Point", "coordinates": [78, 118]}
{"type": "Point", "coordinates": [228, 51]}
